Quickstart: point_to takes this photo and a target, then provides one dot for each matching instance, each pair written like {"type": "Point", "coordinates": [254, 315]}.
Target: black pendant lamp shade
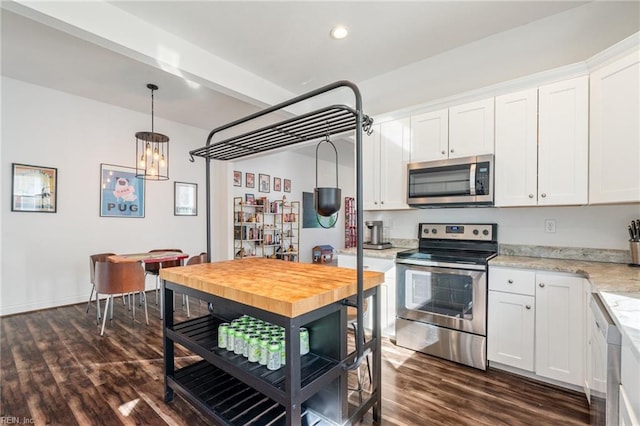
{"type": "Point", "coordinates": [152, 151]}
{"type": "Point", "coordinates": [327, 200]}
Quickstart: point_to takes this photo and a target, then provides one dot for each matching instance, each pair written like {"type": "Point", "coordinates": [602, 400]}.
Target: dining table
{"type": "Point", "coordinates": [151, 257]}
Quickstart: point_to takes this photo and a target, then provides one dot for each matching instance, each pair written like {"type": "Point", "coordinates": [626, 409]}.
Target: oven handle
{"type": "Point", "coordinates": [465, 266]}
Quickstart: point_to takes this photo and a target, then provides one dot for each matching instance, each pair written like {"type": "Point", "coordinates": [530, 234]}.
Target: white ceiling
{"type": "Point", "coordinates": [238, 56]}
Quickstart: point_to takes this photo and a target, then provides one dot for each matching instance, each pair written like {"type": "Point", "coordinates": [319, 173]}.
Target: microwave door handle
{"type": "Point", "coordinates": [472, 179]}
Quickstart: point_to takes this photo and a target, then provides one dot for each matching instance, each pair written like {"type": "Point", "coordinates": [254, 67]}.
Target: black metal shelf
{"type": "Point", "coordinates": [331, 120]}
{"type": "Point", "coordinates": [200, 335]}
{"type": "Point", "coordinates": [230, 401]}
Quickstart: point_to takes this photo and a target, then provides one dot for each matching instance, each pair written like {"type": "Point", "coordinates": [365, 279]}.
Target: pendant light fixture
{"type": "Point", "coordinates": [152, 151]}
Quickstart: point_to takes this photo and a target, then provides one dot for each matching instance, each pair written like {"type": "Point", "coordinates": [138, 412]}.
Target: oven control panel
{"type": "Point", "coordinates": [451, 231]}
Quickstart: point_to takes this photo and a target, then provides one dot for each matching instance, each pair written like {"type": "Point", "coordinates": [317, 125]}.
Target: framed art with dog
{"type": "Point", "coordinates": [121, 192]}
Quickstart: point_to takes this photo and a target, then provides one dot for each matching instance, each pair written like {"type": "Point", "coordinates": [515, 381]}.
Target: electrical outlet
{"type": "Point", "coordinates": [550, 226]}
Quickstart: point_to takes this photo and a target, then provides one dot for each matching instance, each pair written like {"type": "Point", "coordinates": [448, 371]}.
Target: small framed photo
{"type": "Point", "coordinates": [264, 182]}
{"type": "Point", "coordinates": [287, 185]}
{"type": "Point", "coordinates": [237, 178]}
{"type": "Point", "coordinates": [185, 199]}
{"type": "Point", "coordinates": [277, 184]}
{"type": "Point", "coordinates": [250, 180]}
{"type": "Point", "coordinates": [121, 192]}
{"type": "Point", "coordinates": [249, 198]}
{"type": "Point", "coordinates": [34, 189]}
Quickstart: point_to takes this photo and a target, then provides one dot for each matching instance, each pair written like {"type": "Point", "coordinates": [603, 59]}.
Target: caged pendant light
{"type": "Point", "coordinates": [152, 151]}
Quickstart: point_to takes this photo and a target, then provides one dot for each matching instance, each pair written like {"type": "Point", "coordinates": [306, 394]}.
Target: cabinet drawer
{"type": "Point", "coordinates": [368, 263]}
{"type": "Point", "coordinates": [512, 280]}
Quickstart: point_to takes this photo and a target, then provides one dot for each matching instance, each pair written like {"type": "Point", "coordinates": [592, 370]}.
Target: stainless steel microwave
{"type": "Point", "coordinates": [456, 182]}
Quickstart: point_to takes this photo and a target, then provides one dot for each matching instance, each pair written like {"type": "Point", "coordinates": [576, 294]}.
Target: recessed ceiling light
{"type": "Point", "coordinates": [339, 32]}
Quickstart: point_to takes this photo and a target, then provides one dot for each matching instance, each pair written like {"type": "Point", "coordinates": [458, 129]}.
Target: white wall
{"type": "Point", "coordinates": [584, 226]}
{"type": "Point", "coordinates": [45, 257]}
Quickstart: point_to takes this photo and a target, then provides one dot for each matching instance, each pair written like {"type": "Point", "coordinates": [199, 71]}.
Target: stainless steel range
{"type": "Point", "coordinates": [442, 292]}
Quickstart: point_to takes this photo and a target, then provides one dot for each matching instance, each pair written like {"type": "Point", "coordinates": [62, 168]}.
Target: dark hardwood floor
{"type": "Point", "coordinates": [56, 369]}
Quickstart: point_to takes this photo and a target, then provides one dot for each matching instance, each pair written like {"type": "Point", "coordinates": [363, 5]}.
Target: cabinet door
{"type": "Point", "coordinates": [560, 328]}
{"type": "Point", "coordinates": [563, 142]}
{"type": "Point", "coordinates": [371, 170]}
{"type": "Point", "coordinates": [430, 136]}
{"type": "Point", "coordinates": [394, 156]}
{"type": "Point", "coordinates": [510, 329]}
{"type": "Point", "coordinates": [471, 129]}
{"type": "Point", "coordinates": [389, 326]}
{"type": "Point", "coordinates": [614, 175]}
{"type": "Point", "coordinates": [627, 416]}
{"type": "Point", "coordinates": [516, 156]}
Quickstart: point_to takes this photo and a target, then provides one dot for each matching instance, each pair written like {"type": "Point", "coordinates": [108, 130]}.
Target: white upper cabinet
{"type": "Point", "coordinates": [385, 155]}
{"type": "Point", "coordinates": [542, 147]}
{"type": "Point", "coordinates": [430, 136]}
{"type": "Point", "coordinates": [614, 154]}
{"type": "Point", "coordinates": [471, 129]}
{"type": "Point", "coordinates": [563, 142]}
{"type": "Point", "coordinates": [516, 156]}
{"type": "Point", "coordinates": [459, 131]}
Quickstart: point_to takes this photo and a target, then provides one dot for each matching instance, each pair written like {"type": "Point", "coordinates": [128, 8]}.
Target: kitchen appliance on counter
{"type": "Point", "coordinates": [442, 291]}
{"type": "Point", "coordinates": [376, 239]}
{"type": "Point", "coordinates": [604, 365]}
{"type": "Point", "coordinates": [466, 181]}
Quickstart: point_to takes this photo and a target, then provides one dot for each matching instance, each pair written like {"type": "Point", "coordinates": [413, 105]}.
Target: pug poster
{"type": "Point", "coordinates": [121, 192]}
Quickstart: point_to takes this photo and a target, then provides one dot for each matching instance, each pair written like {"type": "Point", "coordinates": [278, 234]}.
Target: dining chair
{"type": "Point", "coordinates": [154, 268]}
{"type": "Point", "coordinates": [193, 260]}
{"type": "Point", "coordinates": [120, 278]}
{"type": "Point", "coordinates": [100, 257]}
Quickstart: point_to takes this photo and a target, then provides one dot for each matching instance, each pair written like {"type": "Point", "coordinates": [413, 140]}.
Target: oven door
{"type": "Point", "coordinates": [447, 297]}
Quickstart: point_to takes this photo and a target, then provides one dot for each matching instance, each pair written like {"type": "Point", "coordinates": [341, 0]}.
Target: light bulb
{"type": "Point", "coordinates": [142, 162]}
{"type": "Point", "coordinates": [148, 148]}
{"type": "Point", "coordinates": [162, 162]}
{"type": "Point", "coordinates": [152, 169]}
{"type": "Point", "coordinates": [155, 153]}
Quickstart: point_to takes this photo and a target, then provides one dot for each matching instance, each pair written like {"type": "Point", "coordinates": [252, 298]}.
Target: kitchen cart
{"type": "Point", "coordinates": [309, 389]}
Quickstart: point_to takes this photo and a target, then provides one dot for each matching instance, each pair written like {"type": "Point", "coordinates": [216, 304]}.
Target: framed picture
{"type": "Point", "coordinates": [121, 192]}
{"type": "Point", "coordinates": [185, 199]}
{"type": "Point", "coordinates": [277, 183]}
{"type": "Point", "coordinates": [34, 188]}
{"type": "Point", "coordinates": [237, 178]}
{"type": "Point", "coordinates": [264, 182]}
{"type": "Point", "coordinates": [287, 185]}
{"type": "Point", "coordinates": [250, 180]}
{"type": "Point", "coordinates": [249, 198]}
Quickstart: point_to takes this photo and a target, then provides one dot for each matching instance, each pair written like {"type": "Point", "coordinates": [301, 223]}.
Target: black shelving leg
{"type": "Point", "coordinates": [377, 357]}
{"type": "Point", "coordinates": [168, 345]}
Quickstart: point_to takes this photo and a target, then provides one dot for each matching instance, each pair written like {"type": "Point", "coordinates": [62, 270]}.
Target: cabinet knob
{"type": "Point", "coordinates": [510, 281]}
{"type": "Point", "coordinates": [375, 202]}
{"type": "Point", "coordinates": [530, 195]}
{"type": "Point", "coordinates": [381, 202]}
{"type": "Point", "coordinates": [444, 152]}
{"type": "Point", "coordinates": [541, 285]}
{"type": "Point", "coordinates": [451, 149]}
{"type": "Point", "coordinates": [528, 306]}
{"type": "Point", "coordinates": [543, 195]}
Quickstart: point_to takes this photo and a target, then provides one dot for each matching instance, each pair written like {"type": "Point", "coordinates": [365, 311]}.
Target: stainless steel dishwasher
{"type": "Point", "coordinates": [604, 365]}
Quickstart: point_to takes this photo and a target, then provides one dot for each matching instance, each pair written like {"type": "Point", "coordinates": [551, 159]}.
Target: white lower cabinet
{"type": "Point", "coordinates": [536, 323]}
{"type": "Point", "coordinates": [630, 386]}
{"type": "Point", "coordinates": [387, 290]}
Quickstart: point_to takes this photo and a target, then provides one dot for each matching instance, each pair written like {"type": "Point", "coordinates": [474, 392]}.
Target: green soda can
{"type": "Point", "coordinates": [283, 354]}
{"type": "Point", "coordinates": [238, 343]}
{"type": "Point", "coordinates": [231, 337]}
{"type": "Point", "coordinates": [254, 348]}
{"type": "Point", "coordinates": [264, 349]}
{"type": "Point", "coordinates": [273, 355]}
{"type": "Point", "coordinates": [245, 343]}
{"type": "Point", "coordinates": [304, 341]}
{"type": "Point", "coordinates": [222, 335]}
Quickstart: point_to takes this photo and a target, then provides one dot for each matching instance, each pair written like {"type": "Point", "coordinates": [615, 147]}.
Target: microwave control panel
{"type": "Point", "coordinates": [483, 172]}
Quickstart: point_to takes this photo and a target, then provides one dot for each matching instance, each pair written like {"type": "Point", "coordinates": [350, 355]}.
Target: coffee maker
{"type": "Point", "coordinates": [376, 240]}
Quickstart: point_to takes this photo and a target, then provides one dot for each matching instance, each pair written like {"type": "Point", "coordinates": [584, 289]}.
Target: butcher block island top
{"type": "Point", "coordinates": [289, 289]}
